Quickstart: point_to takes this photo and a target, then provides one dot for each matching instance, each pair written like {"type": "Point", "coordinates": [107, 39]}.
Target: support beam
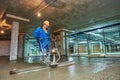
{"type": "Point", "coordinates": [17, 17]}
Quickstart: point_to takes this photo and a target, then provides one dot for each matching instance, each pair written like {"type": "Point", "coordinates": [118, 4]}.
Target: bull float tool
{"type": "Point", "coordinates": [50, 63]}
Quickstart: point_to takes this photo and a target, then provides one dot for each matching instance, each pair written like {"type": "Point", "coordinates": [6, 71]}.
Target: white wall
{"type": "Point", "coordinates": [5, 48]}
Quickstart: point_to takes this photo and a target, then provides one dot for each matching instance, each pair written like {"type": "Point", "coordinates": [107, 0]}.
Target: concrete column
{"type": "Point", "coordinates": [63, 41]}
{"type": "Point", "coordinates": [20, 45]}
{"type": "Point", "coordinates": [76, 48]}
{"type": "Point", "coordinates": [14, 41]}
{"type": "Point", "coordinates": [109, 48]}
{"type": "Point", "coordinates": [91, 46]}
{"type": "Point", "coordinates": [101, 49]}
{"type": "Point", "coordinates": [88, 44]}
{"type": "Point", "coordinates": [67, 44]}
{"type": "Point", "coordinates": [88, 47]}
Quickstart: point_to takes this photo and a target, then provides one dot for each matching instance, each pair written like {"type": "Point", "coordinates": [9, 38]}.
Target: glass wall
{"type": "Point", "coordinates": [100, 41]}
{"type": "Point", "coordinates": [31, 48]}
{"type": "Point", "coordinates": [112, 40]}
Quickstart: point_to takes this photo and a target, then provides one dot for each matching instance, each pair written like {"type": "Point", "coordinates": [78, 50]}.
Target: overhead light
{"type": "Point", "coordinates": [39, 15]}
{"type": "Point", "coordinates": [71, 41]}
{"type": "Point", "coordinates": [83, 42]}
{"type": "Point", "coordinates": [99, 30]}
{"type": "Point", "coordinates": [2, 31]}
{"type": "Point", "coordinates": [4, 21]}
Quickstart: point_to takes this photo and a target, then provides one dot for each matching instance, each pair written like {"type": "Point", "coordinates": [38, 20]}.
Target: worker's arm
{"type": "Point", "coordinates": [37, 34]}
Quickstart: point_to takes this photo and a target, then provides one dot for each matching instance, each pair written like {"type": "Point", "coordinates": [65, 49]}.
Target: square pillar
{"type": "Point", "coordinates": [20, 45]}
{"type": "Point", "coordinates": [14, 41]}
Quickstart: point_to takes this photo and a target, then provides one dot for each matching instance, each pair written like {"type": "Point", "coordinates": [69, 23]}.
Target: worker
{"type": "Point", "coordinates": [42, 35]}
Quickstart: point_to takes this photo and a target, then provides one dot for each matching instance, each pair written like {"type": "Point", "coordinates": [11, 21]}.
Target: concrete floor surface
{"type": "Point", "coordinates": [83, 69]}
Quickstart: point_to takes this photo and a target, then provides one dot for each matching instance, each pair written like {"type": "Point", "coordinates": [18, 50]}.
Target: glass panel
{"type": "Point", "coordinates": [31, 48]}
{"type": "Point", "coordinates": [82, 44]}
{"type": "Point", "coordinates": [112, 42]}
{"type": "Point", "coordinates": [71, 43]}
{"type": "Point", "coordinates": [77, 44]}
{"type": "Point", "coordinates": [95, 43]}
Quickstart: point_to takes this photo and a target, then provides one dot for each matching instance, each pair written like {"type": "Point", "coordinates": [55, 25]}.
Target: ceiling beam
{"type": "Point", "coordinates": [17, 17]}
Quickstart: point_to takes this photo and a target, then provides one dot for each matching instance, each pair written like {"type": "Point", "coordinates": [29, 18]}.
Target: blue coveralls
{"type": "Point", "coordinates": [42, 38]}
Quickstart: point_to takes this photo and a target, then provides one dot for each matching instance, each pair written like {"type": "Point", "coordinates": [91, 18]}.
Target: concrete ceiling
{"type": "Point", "coordinates": [69, 14]}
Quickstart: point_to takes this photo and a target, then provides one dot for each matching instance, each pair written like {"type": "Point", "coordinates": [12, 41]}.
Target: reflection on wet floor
{"type": "Point", "coordinates": [83, 69]}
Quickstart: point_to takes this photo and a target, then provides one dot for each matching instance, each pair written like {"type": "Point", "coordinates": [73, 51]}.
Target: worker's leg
{"type": "Point", "coordinates": [41, 51]}
{"type": "Point", "coordinates": [48, 52]}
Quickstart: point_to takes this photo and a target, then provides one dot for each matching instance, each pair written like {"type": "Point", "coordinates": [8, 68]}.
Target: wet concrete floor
{"type": "Point", "coordinates": [83, 69]}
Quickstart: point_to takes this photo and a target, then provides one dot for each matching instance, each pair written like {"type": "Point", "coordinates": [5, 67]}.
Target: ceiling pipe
{"type": "Point", "coordinates": [37, 7]}
{"type": "Point", "coordinates": [111, 25]}
{"type": "Point", "coordinates": [46, 6]}
{"type": "Point", "coordinates": [101, 36]}
{"type": "Point", "coordinates": [56, 3]}
{"type": "Point", "coordinates": [51, 2]}
{"type": "Point", "coordinates": [63, 29]}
